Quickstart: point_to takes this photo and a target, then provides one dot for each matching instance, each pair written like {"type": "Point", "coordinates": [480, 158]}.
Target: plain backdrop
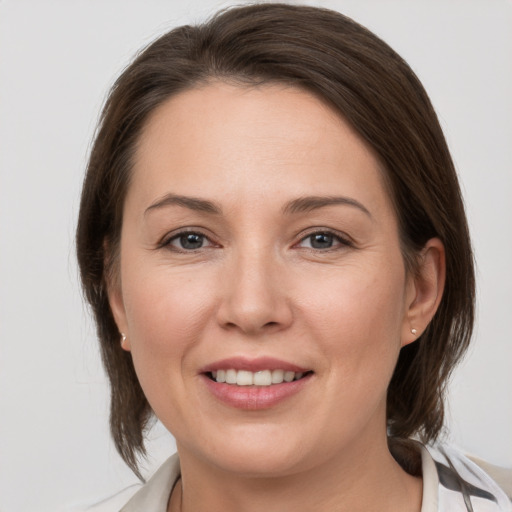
{"type": "Point", "coordinates": [57, 60]}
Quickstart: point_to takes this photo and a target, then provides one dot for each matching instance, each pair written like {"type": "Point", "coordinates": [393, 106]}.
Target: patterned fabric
{"type": "Point", "coordinates": [451, 483]}
{"type": "Point", "coordinates": [465, 487]}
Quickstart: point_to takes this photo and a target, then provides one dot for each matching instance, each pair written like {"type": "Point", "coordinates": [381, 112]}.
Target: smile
{"type": "Point", "coordinates": [255, 384]}
{"type": "Point", "coordinates": [258, 378]}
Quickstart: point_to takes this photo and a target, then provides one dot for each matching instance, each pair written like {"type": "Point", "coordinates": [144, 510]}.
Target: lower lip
{"type": "Point", "coordinates": [255, 397]}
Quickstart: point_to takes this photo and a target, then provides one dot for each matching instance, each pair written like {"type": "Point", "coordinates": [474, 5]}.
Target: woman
{"type": "Point", "coordinates": [273, 242]}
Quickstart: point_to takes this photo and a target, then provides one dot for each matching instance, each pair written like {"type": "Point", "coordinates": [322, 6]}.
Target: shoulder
{"type": "Point", "coordinates": [152, 495]}
{"type": "Point", "coordinates": [458, 483]}
{"type": "Point", "coordinates": [114, 503]}
{"type": "Point", "coordinates": [502, 476]}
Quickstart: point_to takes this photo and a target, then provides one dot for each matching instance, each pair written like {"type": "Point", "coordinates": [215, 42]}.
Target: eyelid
{"type": "Point", "coordinates": [165, 241]}
{"type": "Point", "coordinates": [343, 238]}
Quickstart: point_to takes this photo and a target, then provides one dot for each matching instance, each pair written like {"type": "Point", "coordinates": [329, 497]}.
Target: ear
{"type": "Point", "coordinates": [424, 290]}
{"type": "Point", "coordinates": [115, 299]}
{"type": "Point", "coordinates": [115, 296]}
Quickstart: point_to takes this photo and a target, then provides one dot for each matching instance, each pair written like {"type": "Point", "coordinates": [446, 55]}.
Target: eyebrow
{"type": "Point", "coordinates": [192, 203]}
{"type": "Point", "coordinates": [309, 203]}
{"type": "Point", "coordinates": [300, 205]}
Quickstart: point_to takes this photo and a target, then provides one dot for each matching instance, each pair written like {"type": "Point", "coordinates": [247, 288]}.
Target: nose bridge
{"type": "Point", "coordinates": [254, 298]}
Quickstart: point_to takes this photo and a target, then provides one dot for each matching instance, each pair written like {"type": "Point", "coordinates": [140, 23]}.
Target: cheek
{"type": "Point", "coordinates": [357, 299]}
{"type": "Point", "coordinates": [166, 312]}
{"type": "Point", "coordinates": [357, 317]}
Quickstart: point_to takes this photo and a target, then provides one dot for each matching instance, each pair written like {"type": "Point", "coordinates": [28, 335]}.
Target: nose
{"type": "Point", "coordinates": [254, 295]}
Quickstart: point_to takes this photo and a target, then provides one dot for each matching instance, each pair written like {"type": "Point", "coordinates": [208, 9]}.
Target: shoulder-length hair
{"type": "Point", "coordinates": [374, 90]}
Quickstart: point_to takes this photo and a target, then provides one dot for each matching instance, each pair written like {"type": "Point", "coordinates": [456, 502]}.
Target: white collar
{"type": "Point", "coordinates": [429, 502]}
{"type": "Point", "coordinates": [154, 495]}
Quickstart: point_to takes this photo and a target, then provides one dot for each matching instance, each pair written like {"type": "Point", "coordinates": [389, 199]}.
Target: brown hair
{"type": "Point", "coordinates": [372, 87]}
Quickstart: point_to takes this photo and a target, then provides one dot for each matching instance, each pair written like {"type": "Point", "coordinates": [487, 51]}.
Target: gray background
{"type": "Point", "coordinates": [57, 59]}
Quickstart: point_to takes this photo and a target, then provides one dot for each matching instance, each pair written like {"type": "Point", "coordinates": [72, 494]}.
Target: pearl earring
{"type": "Point", "coordinates": [123, 337]}
{"type": "Point", "coordinates": [413, 331]}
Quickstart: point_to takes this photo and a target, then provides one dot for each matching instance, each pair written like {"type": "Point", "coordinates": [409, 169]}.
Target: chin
{"type": "Point", "coordinates": [253, 453]}
{"type": "Point", "coordinates": [260, 464]}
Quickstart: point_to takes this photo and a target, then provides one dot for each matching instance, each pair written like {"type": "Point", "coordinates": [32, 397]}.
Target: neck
{"type": "Point", "coordinates": [356, 480]}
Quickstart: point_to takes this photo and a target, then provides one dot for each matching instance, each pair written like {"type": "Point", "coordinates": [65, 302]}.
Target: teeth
{"type": "Point", "coordinates": [231, 376]}
{"type": "Point", "coordinates": [244, 378]}
{"type": "Point", "coordinates": [288, 376]}
{"type": "Point", "coordinates": [261, 378]}
{"type": "Point", "coordinates": [277, 376]}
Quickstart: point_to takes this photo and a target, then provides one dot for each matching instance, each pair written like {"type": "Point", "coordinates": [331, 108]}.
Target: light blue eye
{"type": "Point", "coordinates": [321, 240]}
{"type": "Point", "coordinates": [324, 240]}
{"type": "Point", "coordinates": [189, 241]}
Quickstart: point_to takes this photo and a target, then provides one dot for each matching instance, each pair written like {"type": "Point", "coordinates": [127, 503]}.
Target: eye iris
{"type": "Point", "coordinates": [191, 241]}
{"type": "Point", "coordinates": [321, 240]}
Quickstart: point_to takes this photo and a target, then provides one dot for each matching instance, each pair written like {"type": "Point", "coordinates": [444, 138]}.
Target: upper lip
{"type": "Point", "coordinates": [253, 365]}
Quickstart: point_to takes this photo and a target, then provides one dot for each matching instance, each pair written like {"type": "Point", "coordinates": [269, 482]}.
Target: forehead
{"type": "Point", "coordinates": [252, 116]}
{"type": "Point", "coordinates": [227, 139]}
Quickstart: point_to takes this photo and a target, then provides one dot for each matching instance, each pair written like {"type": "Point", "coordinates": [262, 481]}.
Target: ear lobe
{"type": "Point", "coordinates": [425, 290]}
{"type": "Point", "coordinates": [114, 293]}
{"type": "Point", "coordinates": [115, 299]}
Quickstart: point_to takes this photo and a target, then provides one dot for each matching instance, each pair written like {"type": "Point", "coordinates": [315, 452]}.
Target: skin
{"type": "Point", "coordinates": [258, 286]}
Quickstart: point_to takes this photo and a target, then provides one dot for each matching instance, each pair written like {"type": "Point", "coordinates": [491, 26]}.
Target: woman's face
{"type": "Point", "coordinates": [259, 243]}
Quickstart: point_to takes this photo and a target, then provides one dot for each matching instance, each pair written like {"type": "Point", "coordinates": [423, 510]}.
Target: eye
{"type": "Point", "coordinates": [189, 241]}
{"type": "Point", "coordinates": [323, 240]}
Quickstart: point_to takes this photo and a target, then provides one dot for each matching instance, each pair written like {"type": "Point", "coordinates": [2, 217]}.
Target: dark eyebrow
{"type": "Point", "coordinates": [192, 203]}
{"type": "Point", "coordinates": [306, 204]}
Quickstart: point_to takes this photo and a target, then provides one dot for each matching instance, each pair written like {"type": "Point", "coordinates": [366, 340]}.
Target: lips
{"type": "Point", "coordinates": [253, 365]}
{"type": "Point", "coordinates": [254, 383]}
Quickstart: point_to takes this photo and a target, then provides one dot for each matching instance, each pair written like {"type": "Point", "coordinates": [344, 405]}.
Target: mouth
{"type": "Point", "coordinates": [255, 384]}
{"type": "Point", "coordinates": [259, 378]}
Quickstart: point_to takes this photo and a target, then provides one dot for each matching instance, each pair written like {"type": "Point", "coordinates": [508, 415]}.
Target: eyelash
{"type": "Point", "coordinates": [341, 241]}
{"type": "Point", "coordinates": [167, 241]}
